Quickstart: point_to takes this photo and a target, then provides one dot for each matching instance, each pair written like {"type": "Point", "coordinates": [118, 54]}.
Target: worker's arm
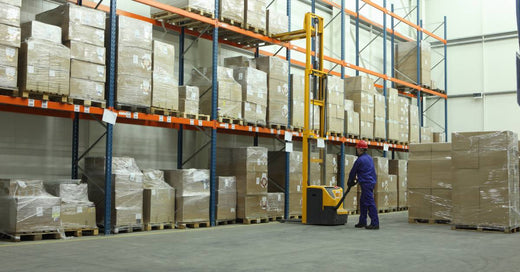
{"type": "Point", "coordinates": [352, 174]}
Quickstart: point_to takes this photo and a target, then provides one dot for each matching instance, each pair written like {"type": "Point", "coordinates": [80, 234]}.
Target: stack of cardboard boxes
{"type": "Point", "coordinates": [335, 105]}
{"type": "Point", "coordinates": [165, 93]}
{"type": "Point", "coordinates": [278, 89]}
{"type": "Point", "coordinates": [351, 119]}
{"type": "Point", "coordinates": [361, 90]}
{"type": "Point", "coordinates": [406, 62]}
{"type": "Point", "coordinates": [226, 198]}
{"type": "Point", "coordinates": [426, 135]}
{"type": "Point", "coordinates": [193, 5]}
{"type": "Point", "coordinates": [297, 92]}
{"type": "Point", "coordinates": [277, 21]}
{"type": "Point", "coordinates": [231, 11]}
{"type": "Point", "coordinates": [379, 116]}
{"type": "Point", "coordinates": [275, 205]}
{"type": "Point", "coordinates": [9, 42]}
{"type": "Point", "coordinates": [404, 119]}
{"type": "Point", "coordinates": [44, 61]}
{"type": "Point", "coordinates": [249, 166]}
{"type": "Point", "coordinates": [25, 206]}
{"type": "Point", "coordinates": [158, 199]}
{"type": "Point", "coordinates": [399, 168]}
{"type": "Point", "coordinates": [430, 181]}
{"type": "Point", "coordinates": [83, 31]}
{"type": "Point", "coordinates": [393, 114]}
{"type": "Point", "coordinates": [351, 203]}
{"type": "Point", "coordinates": [255, 14]}
{"type": "Point", "coordinates": [331, 170]}
{"type": "Point", "coordinates": [486, 172]}
{"type": "Point", "coordinates": [277, 167]}
{"type": "Point", "coordinates": [385, 192]}
{"type": "Point", "coordinates": [254, 94]}
{"type": "Point", "coordinates": [191, 194]}
{"type": "Point", "coordinates": [189, 99]}
{"type": "Point", "coordinates": [229, 92]}
{"type": "Point", "coordinates": [414, 125]}
{"type": "Point", "coordinates": [127, 191]}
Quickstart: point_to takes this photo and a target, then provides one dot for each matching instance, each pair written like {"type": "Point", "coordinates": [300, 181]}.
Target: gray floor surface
{"type": "Point", "coordinates": [397, 246]}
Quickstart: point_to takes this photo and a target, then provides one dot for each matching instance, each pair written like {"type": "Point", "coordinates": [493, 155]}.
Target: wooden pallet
{"type": "Point", "coordinates": [193, 225]}
{"type": "Point", "coordinates": [334, 134]}
{"type": "Point", "coordinates": [297, 129]}
{"type": "Point", "coordinates": [352, 136]}
{"type": "Point", "coordinates": [229, 120]}
{"type": "Point", "coordinates": [279, 126]}
{"type": "Point", "coordinates": [256, 29]}
{"type": "Point", "coordinates": [127, 229]}
{"type": "Point", "coordinates": [34, 236]}
{"type": "Point", "coordinates": [254, 124]}
{"type": "Point", "coordinates": [176, 19]}
{"type": "Point", "coordinates": [162, 111]}
{"type": "Point", "coordinates": [387, 210]}
{"type": "Point", "coordinates": [402, 143]}
{"type": "Point", "coordinates": [86, 102]}
{"type": "Point", "coordinates": [8, 91]}
{"type": "Point", "coordinates": [392, 141]}
{"type": "Point", "coordinates": [249, 221]}
{"type": "Point", "coordinates": [231, 21]}
{"type": "Point", "coordinates": [486, 228]}
{"type": "Point", "coordinates": [158, 226]}
{"type": "Point", "coordinates": [402, 208]}
{"type": "Point", "coordinates": [379, 140]}
{"type": "Point", "coordinates": [428, 221]}
{"type": "Point", "coordinates": [133, 108]}
{"type": "Point", "coordinates": [295, 217]}
{"type": "Point", "coordinates": [82, 232]}
{"type": "Point", "coordinates": [226, 222]}
{"type": "Point", "coordinates": [275, 218]}
{"type": "Point", "coordinates": [45, 96]}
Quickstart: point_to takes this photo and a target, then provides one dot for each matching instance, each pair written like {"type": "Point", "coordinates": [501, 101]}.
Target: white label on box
{"type": "Point", "coordinates": [232, 210]}
{"type": "Point", "coordinates": [136, 115]}
{"type": "Point", "coordinates": [79, 209]}
{"type": "Point", "coordinates": [137, 33]}
{"type": "Point", "coordinates": [206, 185]}
{"type": "Point", "coordinates": [240, 76]}
{"type": "Point", "coordinates": [289, 147]}
{"type": "Point", "coordinates": [257, 181]}
{"type": "Point", "coordinates": [385, 147]}
{"type": "Point", "coordinates": [39, 211]}
{"type": "Point", "coordinates": [200, 122]}
{"type": "Point", "coordinates": [99, 90]}
{"type": "Point", "coordinates": [76, 108]}
{"type": "Point", "coordinates": [30, 103]}
{"type": "Point", "coordinates": [101, 70]}
{"type": "Point", "coordinates": [44, 104]}
{"type": "Point", "coordinates": [100, 52]}
{"type": "Point", "coordinates": [279, 197]}
{"type": "Point", "coordinates": [10, 52]}
{"type": "Point", "coordinates": [136, 59]}
{"type": "Point", "coordinates": [288, 136]}
{"type": "Point", "coordinates": [138, 216]}
{"type": "Point", "coordinates": [52, 73]}
{"type": "Point", "coordinates": [321, 143]}
{"type": "Point", "coordinates": [21, 183]}
{"type": "Point", "coordinates": [10, 71]}
{"type": "Point", "coordinates": [169, 119]}
{"type": "Point", "coordinates": [192, 122]}
{"type": "Point", "coordinates": [298, 188]}
{"type": "Point", "coordinates": [226, 183]}
{"type": "Point", "coordinates": [86, 109]}
{"type": "Point", "coordinates": [56, 212]}
{"type": "Point", "coordinates": [154, 192]}
{"type": "Point", "coordinates": [161, 118]}
{"type": "Point", "coordinates": [30, 69]}
{"type": "Point", "coordinates": [109, 117]}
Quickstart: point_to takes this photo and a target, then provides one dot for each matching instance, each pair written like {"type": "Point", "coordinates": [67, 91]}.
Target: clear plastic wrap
{"type": "Point", "coordinates": [252, 206]}
{"type": "Point", "coordinates": [275, 67]}
{"type": "Point", "coordinates": [278, 112]}
{"type": "Point", "coordinates": [41, 31]}
{"type": "Point", "coordinates": [86, 70]}
{"type": "Point", "coordinates": [165, 93]}
{"type": "Point", "coordinates": [406, 62]}
{"type": "Point", "coordinates": [256, 13]}
{"type": "Point", "coordinates": [73, 14]}
{"type": "Point", "coordinates": [9, 15]}
{"type": "Point", "coordinates": [8, 56]}
{"type": "Point", "coordinates": [232, 10]}
{"type": "Point", "coordinates": [438, 137]}
{"type": "Point", "coordinates": [426, 135]}
{"type": "Point", "coordinates": [200, 5]}
{"type": "Point", "coordinates": [335, 105]}
{"type": "Point", "coordinates": [254, 84]}
{"type": "Point", "coordinates": [366, 129]}
{"type": "Point", "coordinates": [134, 33]}
{"type": "Point", "coordinates": [379, 128]}
{"type": "Point", "coordinates": [189, 99]}
{"type": "Point", "coordinates": [298, 85]}
{"type": "Point", "coordinates": [226, 198]}
{"type": "Point", "coordinates": [364, 104]}
{"type": "Point", "coordinates": [277, 21]}
{"type": "Point", "coordinates": [392, 111]}
{"type": "Point", "coordinates": [44, 67]}
{"type": "Point", "coordinates": [133, 90]}
{"type": "Point", "coordinates": [399, 168]}
{"type": "Point", "coordinates": [25, 206]}
{"type": "Point", "coordinates": [254, 113]}
{"type": "Point", "coordinates": [277, 167]}
{"type": "Point", "coordinates": [86, 89]}
{"type": "Point", "coordinates": [275, 205]}
{"type": "Point", "coordinates": [191, 194]}
{"type": "Point", "coordinates": [404, 119]}
{"type": "Point", "coordinates": [127, 190]}
{"type": "Point", "coordinates": [17, 3]}
{"type": "Point", "coordinates": [379, 116]}
{"type": "Point", "coordinates": [10, 36]}
{"type": "Point", "coordinates": [158, 198]}
{"type": "Point", "coordinates": [358, 84]}
{"type": "Point", "coordinates": [239, 61]}
{"type": "Point", "coordinates": [134, 61]}
{"type": "Point", "coordinates": [86, 52]}
{"type": "Point", "coordinates": [352, 123]}
{"type": "Point", "coordinates": [8, 76]}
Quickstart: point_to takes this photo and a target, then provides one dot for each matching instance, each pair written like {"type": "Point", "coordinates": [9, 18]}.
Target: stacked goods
{"type": "Point", "coordinates": [426, 135]}
{"type": "Point", "coordinates": [83, 31]}
{"type": "Point", "coordinates": [191, 194]}
{"type": "Point", "coordinates": [9, 42]}
{"type": "Point", "coordinates": [204, 6]}
{"type": "Point", "coordinates": [239, 61]}
{"type": "Point", "coordinates": [414, 125]}
{"type": "Point", "coordinates": [277, 22]}
{"type": "Point", "coordinates": [278, 89]}
{"type": "Point", "coordinates": [226, 198]}
{"type": "Point", "coordinates": [315, 177]}
{"type": "Point", "coordinates": [25, 206]}
{"type": "Point", "coordinates": [165, 93]}
{"type": "Point", "coordinates": [134, 62]}
{"type": "Point", "coordinates": [298, 98]}
{"type": "Point", "coordinates": [276, 169]}
{"type": "Point", "coordinates": [254, 94]}
{"type": "Point", "coordinates": [275, 205]}
{"type": "Point", "coordinates": [127, 191]}
{"type": "Point", "coordinates": [393, 114]}
{"type": "Point", "coordinates": [229, 92]}
{"type": "Point", "coordinates": [399, 169]}
{"type": "Point", "coordinates": [351, 200]}
{"type": "Point", "coordinates": [158, 199]}
{"type": "Point", "coordinates": [430, 181]}
{"type": "Point", "coordinates": [385, 192]}
{"type": "Point", "coordinates": [351, 119]}
{"type": "Point", "coordinates": [379, 116]}
{"type": "Point", "coordinates": [438, 137]}
{"type": "Point", "coordinates": [231, 11]}
{"type": "Point", "coordinates": [335, 105]}
{"type": "Point", "coordinates": [331, 170]}
{"type": "Point", "coordinates": [44, 61]}
{"type": "Point", "coordinates": [255, 14]}
{"type": "Point", "coordinates": [189, 99]}
{"type": "Point", "coordinates": [76, 211]}
{"type": "Point", "coordinates": [406, 62]}
{"type": "Point", "coordinates": [404, 119]}
{"type": "Point", "coordinates": [249, 166]}
{"type": "Point", "coordinates": [485, 193]}
{"type": "Point", "coordinates": [361, 90]}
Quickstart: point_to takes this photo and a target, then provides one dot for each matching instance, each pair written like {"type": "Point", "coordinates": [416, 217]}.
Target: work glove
{"type": "Point", "coordinates": [351, 183]}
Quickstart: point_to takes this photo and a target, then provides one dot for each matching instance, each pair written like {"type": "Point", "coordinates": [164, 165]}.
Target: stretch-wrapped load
{"type": "Point", "coordinates": [297, 91]}
{"type": "Point", "coordinates": [255, 14]}
{"type": "Point", "coordinates": [406, 62]}
{"type": "Point", "coordinates": [278, 88]}
{"type": "Point", "coordinates": [426, 135]}
{"type": "Point", "coordinates": [404, 119]}
{"type": "Point", "coordinates": [226, 198]}
{"type": "Point", "coordinates": [379, 116]}
{"type": "Point", "coordinates": [191, 194]}
{"type": "Point", "coordinates": [254, 93]}
{"type": "Point", "coordinates": [361, 90]}
{"type": "Point", "coordinates": [335, 105]}
{"type": "Point", "coordinates": [158, 198]}
{"type": "Point", "coordinates": [189, 99]}
{"type": "Point", "coordinates": [275, 205]}
{"type": "Point", "coordinates": [232, 10]}
{"type": "Point", "coordinates": [351, 202]}
{"type": "Point", "coordinates": [165, 93]}
{"type": "Point", "coordinates": [399, 169]}
{"type": "Point", "coordinates": [277, 21]}
{"type": "Point", "coordinates": [193, 5]}
{"type": "Point", "coordinates": [392, 111]}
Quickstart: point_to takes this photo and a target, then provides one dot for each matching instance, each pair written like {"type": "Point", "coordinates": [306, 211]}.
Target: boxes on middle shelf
{"type": "Point", "coordinates": [278, 88]}
{"type": "Point", "coordinates": [335, 105]}
{"type": "Point", "coordinates": [298, 97]}
{"type": "Point", "coordinates": [277, 21]}
{"type": "Point", "coordinates": [249, 166]}
{"type": "Point", "coordinates": [255, 14]}
{"type": "Point", "coordinates": [254, 94]}
{"type": "Point", "coordinates": [393, 114]}
{"type": "Point", "coordinates": [189, 99]}
{"type": "Point", "coordinates": [361, 90]}
{"type": "Point", "coordinates": [158, 198]}
{"type": "Point", "coordinates": [9, 43]}
{"type": "Point", "coordinates": [404, 119]}
{"type": "Point", "coordinates": [406, 62]}
{"type": "Point", "coordinates": [165, 92]}
{"type": "Point", "coordinates": [379, 116]}
{"type": "Point", "coordinates": [351, 119]}
{"type": "Point", "coordinates": [229, 92]}
{"type": "Point", "coordinates": [44, 61]}
{"type": "Point", "coordinates": [414, 124]}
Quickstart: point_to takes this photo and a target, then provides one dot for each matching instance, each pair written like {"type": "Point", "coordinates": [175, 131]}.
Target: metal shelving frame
{"type": "Point", "coordinates": [77, 112]}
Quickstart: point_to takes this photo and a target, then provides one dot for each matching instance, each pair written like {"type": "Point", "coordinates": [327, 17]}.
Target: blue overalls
{"type": "Point", "coordinates": [366, 175]}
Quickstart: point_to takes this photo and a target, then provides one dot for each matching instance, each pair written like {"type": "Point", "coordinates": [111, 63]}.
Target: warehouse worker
{"type": "Point", "coordinates": [365, 172]}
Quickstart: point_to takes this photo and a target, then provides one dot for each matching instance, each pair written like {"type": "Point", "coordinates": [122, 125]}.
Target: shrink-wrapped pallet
{"type": "Point", "coordinates": [158, 198]}
{"type": "Point", "coordinates": [255, 14]}
{"type": "Point", "coordinates": [165, 93]}
{"type": "Point", "coordinates": [226, 198]}
{"type": "Point", "coordinates": [275, 205]}
{"type": "Point", "coordinates": [190, 5]}
{"type": "Point", "coordinates": [406, 62]}
{"type": "Point", "coordinates": [277, 21]}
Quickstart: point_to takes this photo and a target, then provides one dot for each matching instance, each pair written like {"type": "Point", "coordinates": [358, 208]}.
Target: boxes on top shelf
{"type": "Point", "coordinates": [277, 21]}
{"type": "Point", "coordinates": [406, 62]}
{"type": "Point", "coordinates": [255, 14]}
{"type": "Point", "coordinates": [232, 10]}
{"type": "Point", "coordinates": [189, 99]}
{"type": "Point", "coordinates": [165, 93]}
{"type": "Point", "coordinates": [194, 5]}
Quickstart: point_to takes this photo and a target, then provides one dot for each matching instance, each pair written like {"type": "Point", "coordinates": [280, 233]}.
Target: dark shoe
{"type": "Point", "coordinates": [359, 226]}
{"type": "Point", "coordinates": [372, 227]}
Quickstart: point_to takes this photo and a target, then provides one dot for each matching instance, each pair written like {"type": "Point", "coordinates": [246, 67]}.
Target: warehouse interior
{"type": "Point", "coordinates": [447, 190]}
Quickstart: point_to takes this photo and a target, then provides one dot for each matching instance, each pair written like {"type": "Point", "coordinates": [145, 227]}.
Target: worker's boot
{"type": "Point", "coordinates": [359, 225]}
{"type": "Point", "coordinates": [372, 227]}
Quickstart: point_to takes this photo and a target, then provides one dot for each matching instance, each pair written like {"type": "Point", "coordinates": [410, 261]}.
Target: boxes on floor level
{"type": "Point", "coordinates": [127, 191]}
{"type": "Point", "coordinates": [277, 22]}
{"type": "Point", "coordinates": [352, 199]}
{"type": "Point", "coordinates": [400, 169]}
{"type": "Point", "coordinates": [255, 14]}
{"type": "Point", "coordinates": [25, 206]}
{"type": "Point", "coordinates": [190, 5]}
{"type": "Point", "coordinates": [295, 204]}
{"type": "Point", "coordinates": [439, 137]}
{"type": "Point", "coordinates": [229, 92]}
{"type": "Point", "coordinates": [252, 206]}
{"type": "Point", "coordinates": [232, 10]}
{"type": "Point", "coordinates": [277, 167]}
{"type": "Point", "coordinates": [191, 194]}
{"type": "Point", "coordinates": [189, 99]}
{"type": "Point", "coordinates": [226, 198]}
{"type": "Point", "coordinates": [165, 93]}
{"type": "Point", "coordinates": [275, 205]}
{"type": "Point", "coordinates": [406, 62]}
{"type": "Point", "coordinates": [158, 198]}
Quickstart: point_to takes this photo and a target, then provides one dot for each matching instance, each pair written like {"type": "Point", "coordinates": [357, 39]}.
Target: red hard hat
{"type": "Point", "coordinates": [362, 144]}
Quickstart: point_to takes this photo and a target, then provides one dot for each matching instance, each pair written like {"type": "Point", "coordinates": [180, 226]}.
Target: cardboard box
{"type": "Point", "coordinates": [134, 33]}
{"type": "Point", "coordinates": [441, 151]}
{"type": "Point", "coordinates": [78, 216]}
{"type": "Point", "coordinates": [419, 174]}
{"type": "Point", "coordinates": [351, 202]}
{"type": "Point", "coordinates": [420, 151]}
{"type": "Point", "coordinates": [231, 10]}
{"type": "Point", "coordinates": [466, 205]}
{"type": "Point", "coordinates": [406, 62]}
{"type": "Point", "coordinates": [87, 90]}
{"type": "Point", "coordinates": [277, 168]}
{"type": "Point", "coordinates": [239, 61]}
{"type": "Point", "coordinates": [295, 204]}
{"type": "Point", "coordinates": [277, 22]}
{"type": "Point", "coordinates": [9, 15]}
{"type": "Point", "coordinates": [382, 200]}
{"type": "Point", "coordinates": [226, 198]}
{"type": "Point", "coordinates": [8, 76]}
{"type": "Point", "coordinates": [132, 90]}
{"type": "Point", "coordinates": [439, 137]}
{"type": "Point", "coordinates": [498, 206]}
{"type": "Point", "coordinates": [275, 205]}
{"type": "Point", "coordinates": [41, 31]}
{"type": "Point", "coordinates": [252, 206]}
{"type": "Point", "coordinates": [402, 199]}
{"type": "Point", "coordinates": [192, 208]}
{"type": "Point", "coordinates": [441, 204]}
{"type": "Point", "coordinates": [419, 203]}
{"type": "Point", "coordinates": [359, 83]}
{"type": "Point", "coordinates": [255, 13]}
{"type": "Point", "coordinates": [200, 5]}
{"type": "Point", "coordinates": [249, 165]}
{"type": "Point", "coordinates": [352, 123]}
{"type": "Point", "coordinates": [254, 84]}
{"type": "Point", "coordinates": [86, 52]}
{"type": "Point", "coordinates": [73, 14]}
{"type": "Point", "coordinates": [165, 93]}
{"type": "Point", "coordinates": [11, 36]}
{"type": "Point", "coordinates": [29, 213]}
{"type": "Point", "coordinates": [158, 205]}
{"type": "Point", "coordinates": [86, 70]}
{"type": "Point", "coordinates": [366, 129]}
{"type": "Point", "coordinates": [380, 128]}
{"type": "Point", "coordinates": [442, 174]}
{"type": "Point", "coordinates": [134, 61]}
{"type": "Point", "coordinates": [426, 135]}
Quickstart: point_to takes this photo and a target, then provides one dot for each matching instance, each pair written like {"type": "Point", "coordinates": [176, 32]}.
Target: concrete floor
{"type": "Point", "coordinates": [397, 246]}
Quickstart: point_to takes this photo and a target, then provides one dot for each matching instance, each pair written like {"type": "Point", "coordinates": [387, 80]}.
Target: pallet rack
{"type": "Point", "coordinates": [76, 112]}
